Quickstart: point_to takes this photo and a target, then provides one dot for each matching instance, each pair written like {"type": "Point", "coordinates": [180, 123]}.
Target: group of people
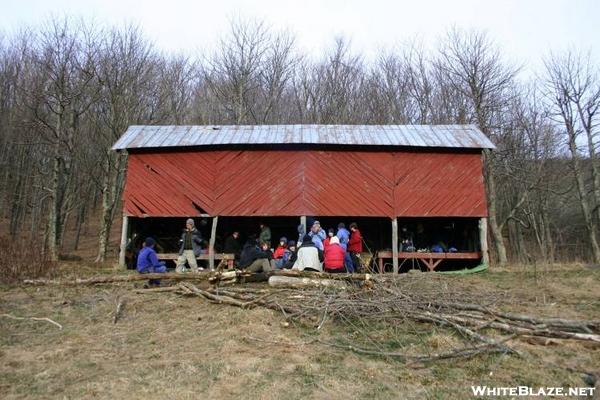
{"type": "Point", "coordinates": [334, 251]}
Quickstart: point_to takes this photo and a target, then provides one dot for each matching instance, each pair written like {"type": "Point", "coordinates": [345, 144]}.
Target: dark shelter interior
{"type": "Point", "coordinates": [451, 234]}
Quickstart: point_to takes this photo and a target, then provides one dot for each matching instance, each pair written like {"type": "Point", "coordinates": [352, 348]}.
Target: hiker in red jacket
{"type": "Point", "coordinates": [355, 246]}
{"type": "Point", "coordinates": [334, 256]}
{"type": "Point", "coordinates": [277, 261]}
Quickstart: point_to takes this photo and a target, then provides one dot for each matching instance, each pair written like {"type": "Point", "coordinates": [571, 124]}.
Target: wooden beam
{"type": "Point", "coordinates": [211, 243]}
{"type": "Point", "coordinates": [395, 244]}
{"type": "Point", "coordinates": [303, 223]}
{"type": "Point", "coordinates": [124, 236]}
{"type": "Point", "coordinates": [483, 241]}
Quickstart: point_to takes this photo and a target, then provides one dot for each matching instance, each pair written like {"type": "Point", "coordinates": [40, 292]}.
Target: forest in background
{"type": "Point", "coordinates": [70, 88]}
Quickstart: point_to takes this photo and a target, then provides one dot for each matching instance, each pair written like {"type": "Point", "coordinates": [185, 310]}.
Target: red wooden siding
{"type": "Point", "coordinates": [306, 182]}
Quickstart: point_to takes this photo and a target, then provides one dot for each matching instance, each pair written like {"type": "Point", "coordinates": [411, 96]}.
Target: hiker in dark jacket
{"type": "Point", "coordinates": [290, 256]}
{"type": "Point", "coordinates": [190, 247]}
{"type": "Point", "coordinates": [265, 234]}
{"type": "Point", "coordinates": [148, 263]}
{"type": "Point", "coordinates": [232, 246]}
{"type": "Point", "coordinates": [255, 259]}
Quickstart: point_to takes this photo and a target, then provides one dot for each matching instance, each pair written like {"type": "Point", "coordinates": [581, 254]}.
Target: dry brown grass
{"type": "Point", "coordinates": [166, 346]}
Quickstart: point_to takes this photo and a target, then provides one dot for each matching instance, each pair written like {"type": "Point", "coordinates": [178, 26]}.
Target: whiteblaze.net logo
{"type": "Point", "coordinates": [487, 391]}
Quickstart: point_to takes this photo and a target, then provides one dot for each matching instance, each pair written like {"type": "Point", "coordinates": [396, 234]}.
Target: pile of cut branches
{"type": "Point", "coordinates": [374, 314]}
{"type": "Point", "coordinates": [368, 311]}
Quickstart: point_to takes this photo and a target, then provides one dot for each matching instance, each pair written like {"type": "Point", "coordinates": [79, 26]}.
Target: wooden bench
{"type": "Point", "coordinates": [218, 256]}
{"type": "Point", "coordinates": [430, 260]}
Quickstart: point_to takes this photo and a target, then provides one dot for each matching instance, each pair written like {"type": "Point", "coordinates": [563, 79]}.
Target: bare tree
{"type": "Point", "coordinates": [127, 73]}
{"type": "Point", "coordinates": [573, 89]}
{"type": "Point", "coordinates": [474, 66]}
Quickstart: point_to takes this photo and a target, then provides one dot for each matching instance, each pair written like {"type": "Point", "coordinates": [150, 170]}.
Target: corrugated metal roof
{"type": "Point", "coordinates": [452, 136]}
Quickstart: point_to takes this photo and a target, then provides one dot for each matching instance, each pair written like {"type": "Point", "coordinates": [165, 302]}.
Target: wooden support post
{"type": "Point", "coordinates": [395, 244]}
{"type": "Point", "coordinates": [303, 223]}
{"type": "Point", "coordinates": [124, 236]}
{"type": "Point", "coordinates": [211, 243]}
{"type": "Point", "coordinates": [483, 241]}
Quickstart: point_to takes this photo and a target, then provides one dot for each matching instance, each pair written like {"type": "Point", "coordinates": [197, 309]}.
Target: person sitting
{"type": "Point", "coordinates": [309, 256]}
{"type": "Point", "coordinates": [290, 256]}
{"type": "Point", "coordinates": [190, 247]}
{"type": "Point", "coordinates": [279, 253]}
{"type": "Point", "coordinates": [355, 246]}
{"type": "Point", "coordinates": [407, 244]}
{"type": "Point", "coordinates": [148, 263]}
{"type": "Point", "coordinates": [330, 234]}
{"type": "Point", "coordinates": [255, 259]}
{"type": "Point", "coordinates": [334, 257]}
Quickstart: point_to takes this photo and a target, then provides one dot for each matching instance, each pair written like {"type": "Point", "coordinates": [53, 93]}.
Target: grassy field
{"type": "Point", "coordinates": [166, 346]}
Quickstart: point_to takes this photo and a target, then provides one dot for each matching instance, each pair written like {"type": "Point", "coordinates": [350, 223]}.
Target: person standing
{"type": "Point", "coordinates": [355, 246]}
{"type": "Point", "coordinates": [232, 245]}
{"type": "Point", "coordinates": [344, 236]}
{"type": "Point", "coordinates": [265, 234]}
{"type": "Point", "coordinates": [190, 247]}
{"type": "Point", "coordinates": [148, 263]}
{"type": "Point", "coordinates": [317, 235]}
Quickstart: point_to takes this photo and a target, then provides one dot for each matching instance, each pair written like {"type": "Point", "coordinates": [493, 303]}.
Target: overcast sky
{"type": "Point", "coordinates": [525, 29]}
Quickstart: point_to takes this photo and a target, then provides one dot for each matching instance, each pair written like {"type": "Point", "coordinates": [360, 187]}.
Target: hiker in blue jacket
{"type": "Point", "coordinates": [317, 235]}
{"type": "Point", "coordinates": [344, 235]}
{"type": "Point", "coordinates": [148, 263]}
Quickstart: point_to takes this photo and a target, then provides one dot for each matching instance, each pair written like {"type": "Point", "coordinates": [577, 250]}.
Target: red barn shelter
{"type": "Point", "coordinates": [406, 175]}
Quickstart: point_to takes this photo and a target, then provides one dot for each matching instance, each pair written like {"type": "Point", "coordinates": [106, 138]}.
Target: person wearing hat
{"type": "Point", "coordinates": [148, 263]}
{"type": "Point", "coordinates": [317, 235]}
{"type": "Point", "coordinates": [334, 257]}
{"type": "Point", "coordinates": [190, 247]}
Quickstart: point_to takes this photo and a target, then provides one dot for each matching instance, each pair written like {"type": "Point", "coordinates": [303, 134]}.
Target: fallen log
{"type": "Point", "coordinates": [299, 283]}
{"type": "Point", "coordinates": [159, 289]}
{"type": "Point", "coordinates": [321, 275]}
{"type": "Point", "coordinates": [174, 276]}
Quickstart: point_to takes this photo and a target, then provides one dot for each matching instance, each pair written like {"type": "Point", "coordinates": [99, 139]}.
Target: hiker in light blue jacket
{"type": "Point", "coordinates": [317, 235]}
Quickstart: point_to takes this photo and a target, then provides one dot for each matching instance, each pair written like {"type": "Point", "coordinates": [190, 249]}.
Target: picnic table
{"type": "Point", "coordinates": [430, 260]}
{"type": "Point", "coordinates": [218, 256]}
